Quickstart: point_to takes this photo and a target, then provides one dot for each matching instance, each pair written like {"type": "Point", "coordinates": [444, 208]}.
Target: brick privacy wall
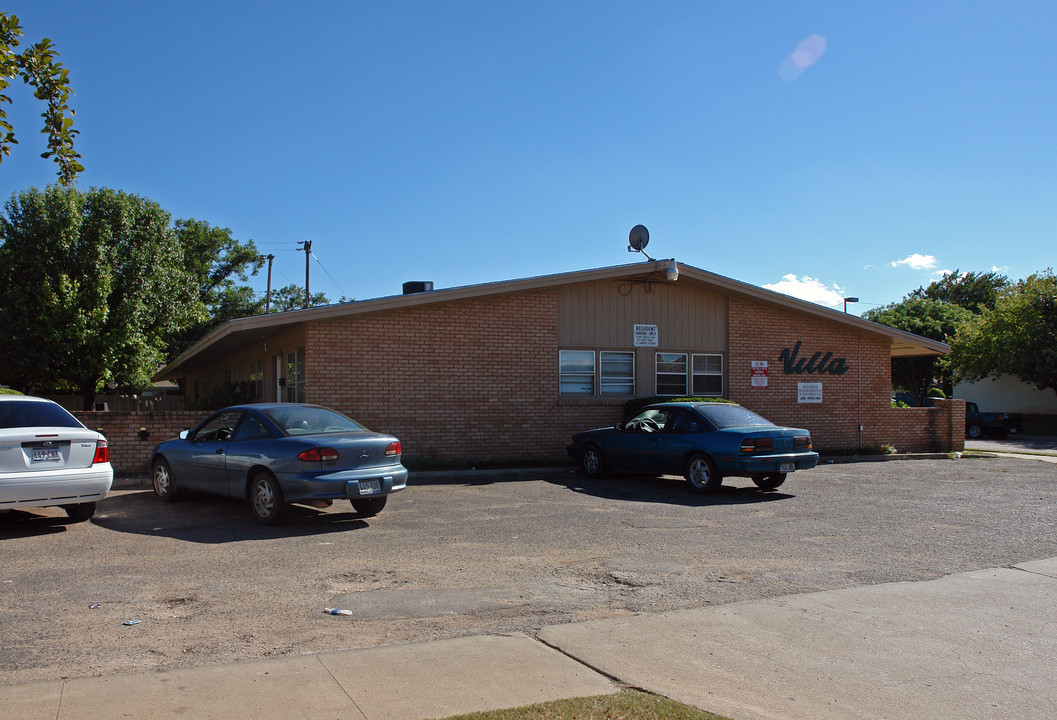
{"type": "Point", "coordinates": [761, 333]}
{"type": "Point", "coordinates": [130, 454]}
{"type": "Point", "coordinates": [467, 380]}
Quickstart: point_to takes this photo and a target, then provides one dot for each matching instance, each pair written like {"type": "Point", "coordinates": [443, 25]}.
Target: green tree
{"type": "Point", "coordinates": [933, 319]}
{"type": "Point", "coordinates": [38, 67]}
{"type": "Point", "coordinates": [215, 260]}
{"type": "Point", "coordinates": [972, 291]}
{"type": "Point", "coordinates": [1018, 337]}
{"type": "Point", "coordinates": [292, 297]}
{"type": "Point", "coordinates": [92, 286]}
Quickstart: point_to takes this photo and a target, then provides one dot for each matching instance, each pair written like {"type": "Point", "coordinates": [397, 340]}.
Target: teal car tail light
{"type": "Point", "coordinates": [393, 449]}
{"type": "Point", "coordinates": [802, 442]}
{"type": "Point", "coordinates": [756, 445]}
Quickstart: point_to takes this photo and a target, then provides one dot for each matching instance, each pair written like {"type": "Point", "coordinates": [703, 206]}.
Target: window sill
{"type": "Point", "coordinates": [593, 401]}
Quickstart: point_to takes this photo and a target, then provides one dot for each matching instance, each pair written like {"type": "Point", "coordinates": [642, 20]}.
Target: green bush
{"type": "Point", "coordinates": [632, 406]}
{"type": "Point", "coordinates": [936, 393]}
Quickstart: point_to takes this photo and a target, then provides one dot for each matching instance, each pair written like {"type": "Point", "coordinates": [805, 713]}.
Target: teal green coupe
{"type": "Point", "coordinates": [702, 441]}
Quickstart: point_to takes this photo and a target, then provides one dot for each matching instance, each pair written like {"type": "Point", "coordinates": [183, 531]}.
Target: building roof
{"type": "Point", "coordinates": [235, 334]}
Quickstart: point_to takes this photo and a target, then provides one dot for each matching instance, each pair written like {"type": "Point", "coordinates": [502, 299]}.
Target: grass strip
{"type": "Point", "coordinates": [624, 705]}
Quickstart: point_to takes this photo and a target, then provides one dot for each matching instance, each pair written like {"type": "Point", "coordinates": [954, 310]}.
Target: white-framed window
{"type": "Point", "coordinates": [616, 371]}
{"type": "Point", "coordinates": [295, 375]}
{"type": "Point", "coordinates": [257, 380]}
{"type": "Point", "coordinates": [670, 373]}
{"type": "Point", "coordinates": [576, 371]}
{"type": "Point", "coordinates": [707, 375]}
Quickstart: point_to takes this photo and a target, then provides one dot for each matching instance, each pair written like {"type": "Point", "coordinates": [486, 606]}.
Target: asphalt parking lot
{"type": "Point", "coordinates": [485, 552]}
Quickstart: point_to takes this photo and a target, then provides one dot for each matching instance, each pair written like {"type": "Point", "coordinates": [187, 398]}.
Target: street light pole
{"type": "Point", "coordinates": [849, 300]}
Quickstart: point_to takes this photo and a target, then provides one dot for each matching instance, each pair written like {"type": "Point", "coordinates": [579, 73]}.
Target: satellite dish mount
{"type": "Point", "coordinates": [638, 238]}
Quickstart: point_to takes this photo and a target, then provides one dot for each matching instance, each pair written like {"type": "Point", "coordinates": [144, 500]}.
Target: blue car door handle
{"type": "Point", "coordinates": [220, 451]}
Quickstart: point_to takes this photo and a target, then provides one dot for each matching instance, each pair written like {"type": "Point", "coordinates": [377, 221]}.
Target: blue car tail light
{"type": "Point", "coordinates": [750, 445]}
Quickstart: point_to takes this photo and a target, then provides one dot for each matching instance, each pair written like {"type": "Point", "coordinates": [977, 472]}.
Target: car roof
{"type": "Point", "coordinates": [5, 397]}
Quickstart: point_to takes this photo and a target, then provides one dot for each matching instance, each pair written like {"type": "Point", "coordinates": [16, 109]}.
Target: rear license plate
{"type": "Point", "coordinates": [786, 467]}
{"type": "Point", "coordinates": [370, 487]}
{"type": "Point", "coordinates": [46, 455]}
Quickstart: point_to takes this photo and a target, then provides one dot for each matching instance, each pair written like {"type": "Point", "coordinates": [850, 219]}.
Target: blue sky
{"type": "Point", "coordinates": [821, 149]}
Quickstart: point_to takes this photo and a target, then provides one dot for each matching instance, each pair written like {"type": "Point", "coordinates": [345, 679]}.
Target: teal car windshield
{"type": "Point", "coordinates": [728, 416]}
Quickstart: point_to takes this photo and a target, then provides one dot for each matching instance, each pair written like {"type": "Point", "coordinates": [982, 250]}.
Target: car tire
{"type": "Point", "coordinates": [701, 473]}
{"type": "Point", "coordinates": [592, 461]}
{"type": "Point", "coordinates": [163, 481]}
{"type": "Point", "coordinates": [974, 431]}
{"type": "Point", "coordinates": [266, 499]}
{"type": "Point", "coordinates": [80, 512]}
{"type": "Point", "coordinates": [769, 482]}
{"type": "Point", "coordinates": [369, 507]}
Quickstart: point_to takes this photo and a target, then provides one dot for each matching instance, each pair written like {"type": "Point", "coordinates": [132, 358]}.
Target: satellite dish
{"type": "Point", "coordinates": [639, 238]}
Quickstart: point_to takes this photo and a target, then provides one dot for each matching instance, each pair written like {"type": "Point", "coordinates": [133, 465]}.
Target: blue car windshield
{"type": "Point", "coordinates": [302, 420]}
{"type": "Point", "coordinates": [33, 413]}
{"type": "Point", "coordinates": [728, 416]}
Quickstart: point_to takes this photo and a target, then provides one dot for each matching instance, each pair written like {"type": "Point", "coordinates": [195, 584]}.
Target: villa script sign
{"type": "Point", "coordinates": [820, 363]}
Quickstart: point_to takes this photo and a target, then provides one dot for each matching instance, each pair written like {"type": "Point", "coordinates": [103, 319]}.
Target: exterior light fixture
{"type": "Point", "coordinates": [673, 271]}
{"type": "Point", "coordinates": [849, 300]}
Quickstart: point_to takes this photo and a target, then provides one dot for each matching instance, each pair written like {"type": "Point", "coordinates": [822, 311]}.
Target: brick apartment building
{"type": "Point", "coordinates": [510, 370]}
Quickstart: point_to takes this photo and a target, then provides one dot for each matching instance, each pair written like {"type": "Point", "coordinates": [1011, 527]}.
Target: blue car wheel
{"type": "Point", "coordinates": [266, 499]}
{"type": "Point", "coordinates": [769, 482]}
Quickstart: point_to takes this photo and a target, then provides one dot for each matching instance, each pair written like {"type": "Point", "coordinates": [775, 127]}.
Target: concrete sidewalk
{"type": "Point", "coordinates": [973, 645]}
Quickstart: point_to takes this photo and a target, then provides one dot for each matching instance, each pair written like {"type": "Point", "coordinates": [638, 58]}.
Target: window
{"type": "Point", "coordinates": [257, 380]}
{"type": "Point", "coordinates": [577, 372]}
{"type": "Point", "coordinates": [617, 372]}
{"type": "Point", "coordinates": [708, 374]}
{"type": "Point", "coordinates": [295, 376]}
{"type": "Point", "coordinates": [251, 429]}
{"type": "Point", "coordinates": [671, 373]}
{"type": "Point", "coordinates": [218, 428]}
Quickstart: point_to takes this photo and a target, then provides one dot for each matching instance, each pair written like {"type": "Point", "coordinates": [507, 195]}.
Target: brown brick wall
{"type": "Point", "coordinates": [860, 395]}
{"type": "Point", "coordinates": [129, 452]}
{"type": "Point", "coordinates": [474, 379]}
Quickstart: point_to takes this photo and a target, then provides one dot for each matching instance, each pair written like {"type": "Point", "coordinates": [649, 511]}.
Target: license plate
{"type": "Point", "coordinates": [786, 467]}
{"type": "Point", "coordinates": [46, 455]}
{"type": "Point", "coordinates": [370, 487]}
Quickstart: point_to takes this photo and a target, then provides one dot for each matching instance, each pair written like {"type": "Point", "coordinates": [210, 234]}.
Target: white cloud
{"type": "Point", "coordinates": [810, 289]}
{"type": "Point", "coordinates": [942, 273]}
{"type": "Point", "coordinates": [917, 261]}
{"type": "Point", "coordinates": [1000, 270]}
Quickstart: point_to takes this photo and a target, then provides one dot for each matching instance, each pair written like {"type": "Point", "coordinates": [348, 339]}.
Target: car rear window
{"type": "Point", "coordinates": [302, 420]}
{"type": "Point", "coordinates": [33, 413]}
{"type": "Point", "coordinates": [727, 416]}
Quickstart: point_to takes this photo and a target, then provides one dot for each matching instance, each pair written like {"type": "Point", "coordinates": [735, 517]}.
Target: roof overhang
{"type": "Point", "coordinates": [234, 335]}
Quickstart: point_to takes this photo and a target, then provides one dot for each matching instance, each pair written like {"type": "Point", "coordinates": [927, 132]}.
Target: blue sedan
{"type": "Point", "coordinates": [700, 440]}
{"type": "Point", "coordinates": [281, 453]}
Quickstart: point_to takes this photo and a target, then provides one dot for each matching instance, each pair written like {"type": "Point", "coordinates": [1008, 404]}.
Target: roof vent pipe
{"type": "Point", "coordinates": [417, 286]}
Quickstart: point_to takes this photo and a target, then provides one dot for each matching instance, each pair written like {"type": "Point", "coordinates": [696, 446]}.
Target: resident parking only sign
{"type": "Point", "coordinates": [645, 336]}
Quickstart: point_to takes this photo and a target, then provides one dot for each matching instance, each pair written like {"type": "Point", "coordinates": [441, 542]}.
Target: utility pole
{"type": "Point", "coordinates": [307, 247]}
{"type": "Point", "coordinates": [268, 297]}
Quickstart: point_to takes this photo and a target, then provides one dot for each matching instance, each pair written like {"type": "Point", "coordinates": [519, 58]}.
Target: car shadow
{"type": "Point", "coordinates": [208, 519]}
{"type": "Point", "coordinates": [21, 523]}
{"type": "Point", "coordinates": [669, 490]}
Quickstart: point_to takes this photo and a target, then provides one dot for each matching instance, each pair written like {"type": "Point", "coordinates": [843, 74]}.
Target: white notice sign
{"type": "Point", "coordinates": [809, 392]}
{"type": "Point", "coordinates": [645, 336]}
{"type": "Point", "coordinates": [759, 373]}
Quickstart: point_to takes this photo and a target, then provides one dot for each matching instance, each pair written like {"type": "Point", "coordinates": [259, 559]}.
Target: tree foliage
{"type": "Point", "coordinates": [292, 297]}
{"type": "Point", "coordinates": [972, 291]}
{"type": "Point", "coordinates": [933, 319]}
{"type": "Point", "coordinates": [1017, 337]}
{"type": "Point", "coordinates": [38, 67]}
{"type": "Point", "coordinates": [92, 286]}
{"type": "Point", "coordinates": [215, 260]}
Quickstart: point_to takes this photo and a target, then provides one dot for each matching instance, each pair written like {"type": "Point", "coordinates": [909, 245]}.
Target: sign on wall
{"type": "Point", "coordinates": [819, 362]}
{"type": "Point", "coordinates": [645, 336]}
{"type": "Point", "coordinates": [759, 374]}
{"type": "Point", "coordinates": [809, 392]}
